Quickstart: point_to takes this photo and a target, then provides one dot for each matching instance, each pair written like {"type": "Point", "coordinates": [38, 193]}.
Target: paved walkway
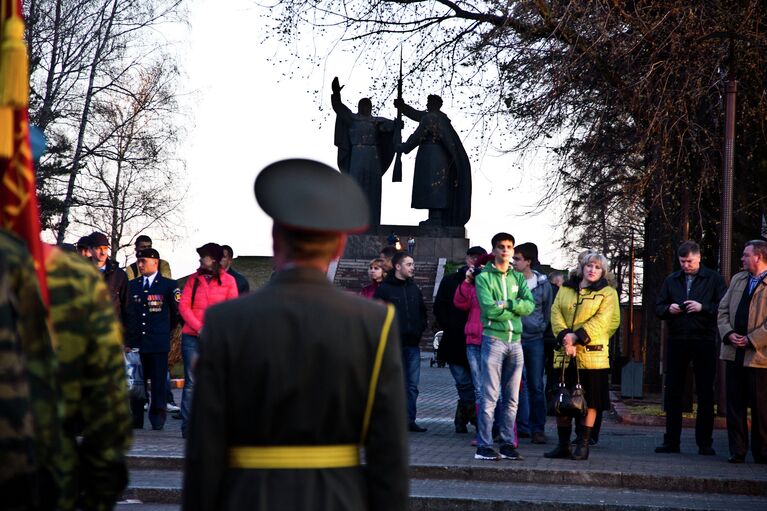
{"type": "Point", "coordinates": [624, 458]}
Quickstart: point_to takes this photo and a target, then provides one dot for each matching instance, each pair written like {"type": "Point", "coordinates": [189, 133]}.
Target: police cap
{"type": "Point", "coordinates": [148, 253]}
{"type": "Point", "coordinates": [307, 195]}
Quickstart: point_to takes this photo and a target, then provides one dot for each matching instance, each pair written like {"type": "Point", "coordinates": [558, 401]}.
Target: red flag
{"type": "Point", "coordinates": [18, 200]}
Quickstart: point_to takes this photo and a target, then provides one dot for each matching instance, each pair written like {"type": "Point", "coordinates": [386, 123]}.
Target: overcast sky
{"type": "Point", "coordinates": [242, 113]}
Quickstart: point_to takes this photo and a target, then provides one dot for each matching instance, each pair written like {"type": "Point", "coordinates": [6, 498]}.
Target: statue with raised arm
{"type": "Point", "coordinates": [365, 147]}
{"type": "Point", "coordinates": [442, 180]}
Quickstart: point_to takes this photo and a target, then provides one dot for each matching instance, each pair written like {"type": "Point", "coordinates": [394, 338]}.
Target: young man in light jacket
{"type": "Point", "coordinates": [532, 399]}
{"type": "Point", "coordinates": [503, 298]}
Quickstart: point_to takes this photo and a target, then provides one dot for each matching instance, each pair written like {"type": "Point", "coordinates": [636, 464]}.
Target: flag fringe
{"type": "Point", "coordinates": [14, 65]}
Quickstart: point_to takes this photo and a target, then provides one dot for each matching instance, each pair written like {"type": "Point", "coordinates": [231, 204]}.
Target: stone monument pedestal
{"type": "Point", "coordinates": [430, 242]}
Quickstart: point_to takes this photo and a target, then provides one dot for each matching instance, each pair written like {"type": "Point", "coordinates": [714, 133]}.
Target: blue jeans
{"type": "Point", "coordinates": [411, 365]}
{"type": "Point", "coordinates": [502, 364]}
{"type": "Point", "coordinates": [474, 354]}
{"type": "Point", "coordinates": [463, 384]}
{"type": "Point", "coordinates": [534, 358]}
{"type": "Point", "coordinates": [189, 356]}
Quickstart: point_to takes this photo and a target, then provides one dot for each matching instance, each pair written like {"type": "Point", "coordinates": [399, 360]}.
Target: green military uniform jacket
{"type": "Point", "coordinates": [93, 385]}
{"type": "Point", "coordinates": [29, 407]}
{"type": "Point", "coordinates": [290, 365]}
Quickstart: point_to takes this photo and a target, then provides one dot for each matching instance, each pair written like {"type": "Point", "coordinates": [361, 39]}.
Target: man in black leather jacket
{"type": "Point", "coordinates": [400, 290]}
{"type": "Point", "coordinates": [688, 301]}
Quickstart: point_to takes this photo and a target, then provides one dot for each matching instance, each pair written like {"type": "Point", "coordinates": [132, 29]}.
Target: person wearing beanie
{"type": "Point", "coordinates": [115, 278]}
{"type": "Point", "coordinates": [452, 348]}
{"type": "Point", "coordinates": [209, 285]}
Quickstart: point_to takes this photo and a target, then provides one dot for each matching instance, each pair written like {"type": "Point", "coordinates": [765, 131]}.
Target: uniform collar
{"type": "Point", "coordinates": [301, 274]}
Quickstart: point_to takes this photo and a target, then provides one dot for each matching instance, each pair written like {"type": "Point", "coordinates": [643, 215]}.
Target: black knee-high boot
{"type": "Point", "coordinates": [582, 449]}
{"type": "Point", "coordinates": [562, 450]}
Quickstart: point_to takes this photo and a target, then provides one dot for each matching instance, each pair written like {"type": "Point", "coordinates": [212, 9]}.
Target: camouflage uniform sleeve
{"type": "Point", "coordinates": [106, 417]}
{"type": "Point", "coordinates": [92, 375]}
{"type": "Point", "coordinates": [34, 336]}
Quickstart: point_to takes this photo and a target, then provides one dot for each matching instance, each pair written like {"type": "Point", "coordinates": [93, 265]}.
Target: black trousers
{"type": "Point", "coordinates": [702, 354]}
{"type": "Point", "coordinates": [155, 369]}
{"type": "Point", "coordinates": [746, 387]}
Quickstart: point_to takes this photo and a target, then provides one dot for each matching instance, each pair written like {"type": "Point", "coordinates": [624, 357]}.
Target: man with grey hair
{"type": "Point", "coordinates": [688, 301]}
{"type": "Point", "coordinates": [743, 326]}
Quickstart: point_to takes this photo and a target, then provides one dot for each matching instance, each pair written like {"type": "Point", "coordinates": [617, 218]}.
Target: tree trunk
{"type": "Point", "coordinates": [75, 166]}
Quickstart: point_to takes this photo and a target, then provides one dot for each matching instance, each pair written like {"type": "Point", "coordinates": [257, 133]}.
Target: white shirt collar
{"type": "Point", "coordinates": [150, 278]}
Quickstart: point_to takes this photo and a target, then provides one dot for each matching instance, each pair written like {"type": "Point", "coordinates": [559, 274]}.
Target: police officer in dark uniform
{"type": "Point", "coordinates": [152, 316]}
{"type": "Point", "coordinates": [294, 379]}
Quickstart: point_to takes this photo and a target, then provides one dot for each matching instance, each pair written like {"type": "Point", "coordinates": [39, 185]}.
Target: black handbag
{"type": "Point", "coordinates": [567, 403]}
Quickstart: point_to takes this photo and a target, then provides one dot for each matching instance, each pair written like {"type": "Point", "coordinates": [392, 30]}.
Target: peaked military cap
{"type": "Point", "coordinates": [307, 195]}
{"type": "Point", "coordinates": [212, 250]}
{"type": "Point", "coordinates": [148, 253]}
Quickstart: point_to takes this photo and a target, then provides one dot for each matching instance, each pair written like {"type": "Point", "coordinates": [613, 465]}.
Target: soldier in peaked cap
{"type": "Point", "coordinates": [295, 378]}
{"type": "Point", "coordinates": [152, 317]}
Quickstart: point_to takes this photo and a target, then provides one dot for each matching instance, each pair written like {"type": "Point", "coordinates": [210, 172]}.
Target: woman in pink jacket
{"type": "Point", "coordinates": [208, 286]}
{"type": "Point", "coordinates": [465, 298]}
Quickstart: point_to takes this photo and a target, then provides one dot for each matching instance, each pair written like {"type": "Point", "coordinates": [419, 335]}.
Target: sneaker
{"type": "Point", "coordinates": [176, 415]}
{"type": "Point", "coordinates": [706, 451]}
{"type": "Point", "coordinates": [486, 453]}
{"type": "Point", "coordinates": [539, 437]}
{"type": "Point", "coordinates": [171, 407]}
{"type": "Point", "coordinates": [146, 407]}
{"type": "Point", "coordinates": [510, 453]}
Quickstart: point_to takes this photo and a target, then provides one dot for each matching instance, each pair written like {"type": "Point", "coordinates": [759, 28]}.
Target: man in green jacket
{"type": "Point", "coordinates": [503, 298]}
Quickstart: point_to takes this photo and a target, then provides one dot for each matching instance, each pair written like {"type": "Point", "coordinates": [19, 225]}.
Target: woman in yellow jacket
{"type": "Point", "coordinates": [584, 316]}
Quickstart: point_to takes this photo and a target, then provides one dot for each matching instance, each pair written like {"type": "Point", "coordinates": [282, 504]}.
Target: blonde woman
{"type": "Point", "coordinates": [584, 316]}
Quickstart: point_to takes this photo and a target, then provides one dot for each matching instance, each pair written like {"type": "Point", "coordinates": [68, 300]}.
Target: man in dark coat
{"type": "Point", "coordinates": [115, 278]}
{"type": "Point", "coordinates": [243, 286]}
{"type": "Point", "coordinates": [442, 180]}
{"type": "Point", "coordinates": [295, 378]}
{"type": "Point", "coordinates": [452, 347]}
{"type": "Point", "coordinates": [399, 289]}
{"type": "Point", "coordinates": [688, 300]}
{"type": "Point", "coordinates": [152, 317]}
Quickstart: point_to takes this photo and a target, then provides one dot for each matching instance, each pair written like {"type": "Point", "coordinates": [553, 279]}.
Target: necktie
{"type": "Point", "coordinates": [146, 284]}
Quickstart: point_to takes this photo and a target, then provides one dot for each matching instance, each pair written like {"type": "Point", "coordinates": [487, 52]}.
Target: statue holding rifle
{"type": "Point", "coordinates": [442, 180]}
{"type": "Point", "coordinates": [365, 147]}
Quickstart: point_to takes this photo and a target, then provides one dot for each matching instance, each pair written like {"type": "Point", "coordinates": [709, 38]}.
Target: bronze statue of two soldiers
{"type": "Point", "coordinates": [367, 145]}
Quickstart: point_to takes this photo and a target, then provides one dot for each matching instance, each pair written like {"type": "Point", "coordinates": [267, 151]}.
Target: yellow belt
{"type": "Point", "coordinates": [295, 456]}
{"type": "Point", "coordinates": [316, 456]}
